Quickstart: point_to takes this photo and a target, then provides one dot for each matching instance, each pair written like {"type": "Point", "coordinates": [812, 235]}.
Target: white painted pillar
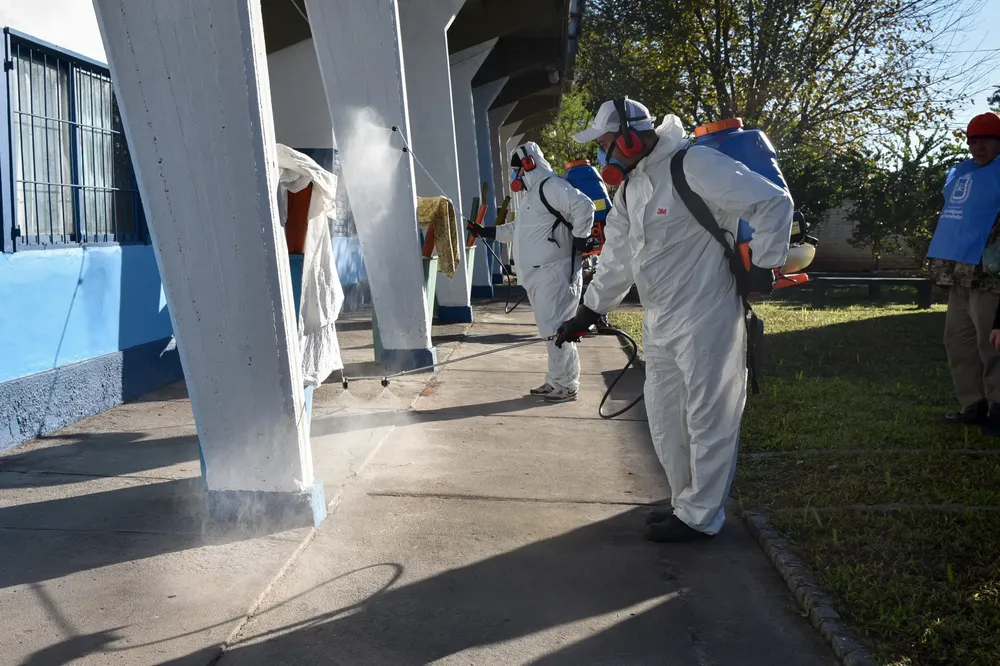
{"type": "Point", "coordinates": [464, 66]}
{"type": "Point", "coordinates": [483, 97]}
{"type": "Point", "coordinates": [512, 143]}
{"type": "Point", "coordinates": [361, 62]}
{"type": "Point", "coordinates": [424, 25]}
{"type": "Point", "coordinates": [202, 143]}
{"type": "Point", "coordinates": [500, 161]}
{"type": "Point", "coordinates": [501, 167]}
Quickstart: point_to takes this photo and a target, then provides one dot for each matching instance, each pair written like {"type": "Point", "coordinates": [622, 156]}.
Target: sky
{"type": "Point", "coordinates": [982, 39]}
{"type": "Point", "coordinates": [70, 24]}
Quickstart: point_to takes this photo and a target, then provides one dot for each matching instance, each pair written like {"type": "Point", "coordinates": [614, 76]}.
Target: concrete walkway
{"type": "Point", "coordinates": [479, 527]}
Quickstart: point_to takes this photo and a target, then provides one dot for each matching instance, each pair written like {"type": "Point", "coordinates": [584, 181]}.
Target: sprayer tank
{"type": "Point", "coordinates": [750, 147]}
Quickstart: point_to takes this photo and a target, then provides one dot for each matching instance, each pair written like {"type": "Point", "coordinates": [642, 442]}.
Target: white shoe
{"type": "Point", "coordinates": [544, 389]}
{"type": "Point", "coordinates": [560, 395]}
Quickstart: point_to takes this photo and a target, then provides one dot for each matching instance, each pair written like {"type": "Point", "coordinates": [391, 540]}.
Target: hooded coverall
{"type": "Point", "coordinates": [543, 266]}
{"type": "Point", "coordinates": [694, 333]}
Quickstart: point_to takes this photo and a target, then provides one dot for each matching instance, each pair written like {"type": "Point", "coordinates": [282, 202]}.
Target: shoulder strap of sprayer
{"type": "Point", "coordinates": [706, 219]}
{"type": "Point", "coordinates": [552, 211]}
{"type": "Point", "coordinates": [555, 225]}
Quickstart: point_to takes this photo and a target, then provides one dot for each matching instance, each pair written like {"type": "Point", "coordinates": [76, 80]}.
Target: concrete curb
{"type": "Point", "coordinates": [808, 594]}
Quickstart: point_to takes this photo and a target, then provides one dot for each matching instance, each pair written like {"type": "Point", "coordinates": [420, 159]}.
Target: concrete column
{"type": "Point", "coordinates": [424, 25]}
{"type": "Point", "coordinates": [501, 159]}
{"type": "Point", "coordinates": [483, 97]}
{"type": "Point", "coordinates": [202, 143]}
{"type": "Point", "coordinates": [506, 148]}
{"type": "Point", "coordinates": [464, 66]}
{"type": "Point", "coordinates": [501, 165]}
{"type": "Point", "coordinates": [361, 62]}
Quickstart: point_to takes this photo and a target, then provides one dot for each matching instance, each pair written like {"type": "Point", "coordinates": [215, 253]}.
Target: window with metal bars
{"type": "Point", "coordinates": [72, 180]}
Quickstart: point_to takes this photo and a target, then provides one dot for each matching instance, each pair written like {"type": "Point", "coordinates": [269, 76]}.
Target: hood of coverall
{"type": "Point", "coordinates": [672, 138]}
{"type": "Point", "coordinates": [542, 168]}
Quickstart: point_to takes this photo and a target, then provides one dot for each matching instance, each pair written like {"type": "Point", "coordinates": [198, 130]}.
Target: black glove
{"type": "Point", "coordinates": [584, 245]}
{"type": "Point", "coordinates": [477, 230]}
{"type": "Point", "coordinates": [577, 327]}
{"type": "Point", "coordinates": [760, 280]}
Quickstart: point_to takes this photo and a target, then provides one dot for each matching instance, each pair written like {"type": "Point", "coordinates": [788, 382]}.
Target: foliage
{"type": "Point", "coordinates": [994, 100]}
{"type": "Point", "coordinates": [820, 180]}
{"type": "Point", "coordinates": [556, 139]}
{"type": "Point", "coordinates": [899, 195]}
{"type": "Point", "coordinates": [820, 72]}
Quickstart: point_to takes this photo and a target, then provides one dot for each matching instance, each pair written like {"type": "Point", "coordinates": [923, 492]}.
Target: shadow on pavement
{"type": "Point", "coordinates": [97, 455]}
{"type": "Point", "coordinates": [642, 604]}
{"type": "Point", "coordinates": [579, 575]}
{"type": "Point", "coordinates": [57, 537]}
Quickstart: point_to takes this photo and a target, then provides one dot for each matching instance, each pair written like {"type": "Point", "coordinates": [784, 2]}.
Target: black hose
{"type": "Point", "coordinates": [507, 307]}
{"type": "Point", "coordinates": [602, 330]}
{"type": "Point", "coordinates": [624, 338]}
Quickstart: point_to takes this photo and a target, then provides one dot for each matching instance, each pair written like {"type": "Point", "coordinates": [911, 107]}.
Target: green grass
{"type": "Point", "coordinates": [867, 384]}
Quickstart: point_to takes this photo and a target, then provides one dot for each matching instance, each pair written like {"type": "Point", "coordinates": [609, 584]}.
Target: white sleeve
{"type": "Point", "coordinates": [613, 278]}
{"type": "Point", "coordinates": [733, 188]}
{"type": "Point", "coordinates": [575, 206]}
{"type": "Point", "coordinates": [505, 233]}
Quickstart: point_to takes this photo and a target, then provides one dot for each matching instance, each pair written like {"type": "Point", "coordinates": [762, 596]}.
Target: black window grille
{"type": "Point", "coordinates": [73, 180]}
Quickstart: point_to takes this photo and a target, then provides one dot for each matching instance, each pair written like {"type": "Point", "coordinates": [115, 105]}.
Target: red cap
{"type": "Point", "coordinates": [984, 125]}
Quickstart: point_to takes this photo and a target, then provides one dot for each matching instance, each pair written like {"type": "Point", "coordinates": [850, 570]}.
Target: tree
{"type": "Point", "coordinates": [895, 205]}
{"type": "Point", "coordinates": [557, 137]}
{"type": "Point", "coordinates": [818, 72]}
{"type": "Point", "coordinates": [994, 100]}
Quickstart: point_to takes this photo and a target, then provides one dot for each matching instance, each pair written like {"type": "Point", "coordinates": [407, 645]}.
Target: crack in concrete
{"type": "Point", "coordinates": [500, 498]}
{"type": "Point", "coordinates": [199, 535]}
{"type": "Point", "coordinates": [49, 472]}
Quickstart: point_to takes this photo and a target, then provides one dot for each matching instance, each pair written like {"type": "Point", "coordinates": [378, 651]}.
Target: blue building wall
{"type": "Point", "coordinates": [83, 319]}
{"type": "Point", "coordinates": [83, 328]}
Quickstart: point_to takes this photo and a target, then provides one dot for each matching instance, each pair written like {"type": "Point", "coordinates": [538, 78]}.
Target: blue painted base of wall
{"type": "Point", "coordinates": [454, 314]}
{"type": "Point", "coordinates": [268, 510]}
{"type": "Point", "coordinates": [397, 360]}
{"type": "Point", "coordinates": [498, 278]}
{"type": "Point", "coordinates": [482, 291]}
{"type": "Point", "coordinates": [44, 402]}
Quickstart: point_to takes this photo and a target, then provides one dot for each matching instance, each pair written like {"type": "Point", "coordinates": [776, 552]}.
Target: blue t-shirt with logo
{"type": "Point", "coordinates": [972, 204]}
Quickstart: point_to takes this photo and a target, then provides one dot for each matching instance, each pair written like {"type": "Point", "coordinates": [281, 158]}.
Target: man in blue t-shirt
{"type": "Point", "coordinates": [967, 222]}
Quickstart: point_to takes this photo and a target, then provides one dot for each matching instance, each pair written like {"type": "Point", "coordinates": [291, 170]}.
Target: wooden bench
{"type": "Point", "coordinates": [821, 283]}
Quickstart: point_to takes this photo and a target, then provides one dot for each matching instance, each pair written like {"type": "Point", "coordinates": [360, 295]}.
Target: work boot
{"type": "Point", "coordinates": [544, 389]}
{"type": "Point", "coordinates": [674, 530]}
{"type": "Point", "coordinates": [659, 514]}
{"type": "Point", "coordinates": [990, 426]}
{"type": "Point", "coordinates": [560, 395]}
{"type": "Point", "coordinates": [974, 415]}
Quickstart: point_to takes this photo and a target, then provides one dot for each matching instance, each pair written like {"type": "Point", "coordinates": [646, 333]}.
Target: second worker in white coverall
{"type": "Point", "coordinates": [553, 225]}
{"type": "Point", "coordinates": [694, 331]}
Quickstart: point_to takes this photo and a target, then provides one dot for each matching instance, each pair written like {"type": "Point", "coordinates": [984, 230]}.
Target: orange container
{"type": "Point", "coordinates": [297, 222]}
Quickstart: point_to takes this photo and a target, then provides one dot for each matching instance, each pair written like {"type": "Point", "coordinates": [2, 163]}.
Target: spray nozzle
{"type": "Point", "coordinates": [344, 383]}
{"type": "Point", "coordinates": [395, 128]}
{"type": "Point", "coordinates": [385, 382]}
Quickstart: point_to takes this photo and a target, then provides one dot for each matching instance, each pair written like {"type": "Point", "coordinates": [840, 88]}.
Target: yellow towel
{"type": "Point", "coordinates": [439, 212]}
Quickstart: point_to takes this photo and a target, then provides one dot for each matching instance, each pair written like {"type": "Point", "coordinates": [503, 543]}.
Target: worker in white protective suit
{"type": "Point", "coordinates": [694, 332]}
{"type": "Point", "coordinates": [551, 232]}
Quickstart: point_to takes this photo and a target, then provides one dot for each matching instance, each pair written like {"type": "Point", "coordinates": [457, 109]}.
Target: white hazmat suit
{"type": "Point", "coordinates": [543, 267]}
{"type": "Point", "coordinates": [694, 335]}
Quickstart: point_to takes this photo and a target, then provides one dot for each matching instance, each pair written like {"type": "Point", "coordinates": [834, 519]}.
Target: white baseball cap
{"type": "Point", "coordinates": [607, 120]}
